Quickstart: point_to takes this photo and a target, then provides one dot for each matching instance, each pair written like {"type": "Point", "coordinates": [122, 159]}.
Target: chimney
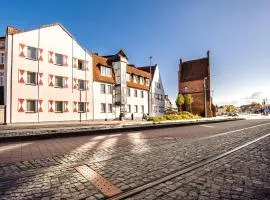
{"type": "Point", "coordinates": [208, 54]}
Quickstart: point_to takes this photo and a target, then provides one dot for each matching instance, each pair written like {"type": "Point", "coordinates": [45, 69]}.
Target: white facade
{"type": "Point", "coordinates": [157, 93]}
{"type": "Point", "coordinates": [44, 86]}
{"type": "Point", "coordinates": [122, 98]}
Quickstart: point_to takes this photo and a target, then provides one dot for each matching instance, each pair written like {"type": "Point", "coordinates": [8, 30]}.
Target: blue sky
{"type": "Point", "coordinates": [236, 32]}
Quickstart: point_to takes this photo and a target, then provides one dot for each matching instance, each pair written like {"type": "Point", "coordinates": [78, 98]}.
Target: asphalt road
{"type": "Point", "coordinates": [152, 164]}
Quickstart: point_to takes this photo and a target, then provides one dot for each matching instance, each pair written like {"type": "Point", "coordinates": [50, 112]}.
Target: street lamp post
{"type": "Point", "coordinates": [150, 83]}
{"type": "Point", "coordinates": [204, 86]}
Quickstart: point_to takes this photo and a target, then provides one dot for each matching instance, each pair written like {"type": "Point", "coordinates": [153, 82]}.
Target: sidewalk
{"type": "Point", "coordinates": [14, 132]}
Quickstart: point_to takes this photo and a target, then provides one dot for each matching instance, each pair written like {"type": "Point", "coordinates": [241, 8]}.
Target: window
{"type": "Point", "coordinates": [32, 53]}
{"type": "Point", "coordinates": [128, 77]}
{"type": "Point", "coordinates": [59, 81]}
{"type": "Point", "coordinates": [109, 89]}
{"type": "Point", "coordinates": [81, 84]}
{"type": "Point", "coordinates": [81, 107]}
{"type": "Point", "coordinates": [141, 80]}
{"type": "Point", "coordinates": [142, 108]}
{"type": "Point", "coordinates": [109, 108]}
{"type": "Point", "coordinates": [106, 71]}
{"type": "Point", "coordinates": [158, 85]}
{"type": "Point", "coordinates": [135, 93]}
{"type": "Point", "coordinates": [80, 64]}
{"type": "Point", "coordinates": [59, 106]}
{"type": "Point", "coordinates": [129, 108]}
{"type": "Point", "coordinates": [147, 81]}
{"type": "Point", "coordinates": [136, 109]}
{"type": "Point", "coordinates": [1, 80]}
{"type": "Point", "coordinates": [31, 78]}
{"type": "Point", "coordinates": [102, 89]}
{"type": "Point", "coordinates": [59, 59]}
{"type": "Point", "coordinates": [128, 92]}
{"type": "Point", "coordinates": [185, 89]}
{"type": "Point", "coordinates": [142, 94]}
{"type": "Point", "coordinates": [2, 58]}
{"type": "Point", "coordinates": [31, 106]}
{"type": "Point", "coordinates": [135, 79]}
{"type": "Point", "coordinates": [103, 108]}
{"type": "Point", "coordinates": [2, 44]}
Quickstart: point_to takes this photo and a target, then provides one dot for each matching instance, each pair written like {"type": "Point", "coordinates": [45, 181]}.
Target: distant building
{"type": "Point", "coordinates": [194, 78]}
{"type": "Point", "coordinates": [119, 87]}
{"type": "Point", "coordinates": [156, 91]}
{"type": "Point", "coordinates": [169, 107]}
{"type": "Point", "coordinates": [2, 61]}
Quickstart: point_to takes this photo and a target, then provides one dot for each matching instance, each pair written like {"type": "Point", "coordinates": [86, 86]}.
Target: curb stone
{"type": "Point", "coordinates": [36, 134]}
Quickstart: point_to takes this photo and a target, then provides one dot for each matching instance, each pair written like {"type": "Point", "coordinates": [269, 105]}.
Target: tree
{"type": "Point", "coordinates": [180, 100]}
{"type": "Point", "coordinates": [189, 101]}
{"type": "Point", "coordinates": [231, 108]}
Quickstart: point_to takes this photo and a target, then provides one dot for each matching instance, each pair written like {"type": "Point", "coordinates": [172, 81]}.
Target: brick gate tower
{"type": "Point", "coordinates": [194, 78]}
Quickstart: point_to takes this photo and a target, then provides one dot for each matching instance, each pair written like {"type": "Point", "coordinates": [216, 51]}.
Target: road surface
{"type": "Point", "coordinates": [229, 160]}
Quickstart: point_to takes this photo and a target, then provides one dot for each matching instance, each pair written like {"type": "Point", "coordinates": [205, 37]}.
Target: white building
{"type": "Point", "coordinates": [119, 87]}
{"type": "Point", "coordinates": [48, 76]}
{"type": "Point", "coordinates": [2, 61]}
{"type": "Point", "coordinates": [156, 91]}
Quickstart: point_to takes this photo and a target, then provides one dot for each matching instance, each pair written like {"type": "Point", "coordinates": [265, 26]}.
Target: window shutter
{"type": "Point", "coordinates": [51, 105]}
{"type": "Point", "coordinates": [75, 60]}
{"type": "Point", "coordinates": [51, 57]}
{"type": "Point", "coordinates": [22, 50]}
{"type": "Point", "coordinates": [22, 76]}
{"type": "Point", "coordinates": [87, 106]}
{"type": "Point", "coordinates": [65, 82]}
{"type": "Point", "coordinates": [75, 106]}
{"type": "Point", "coordinates": [40, 51]}
{"type": "Point", "coordinates": [75, 84]}
{"type": "Point", "coordinates": [51, 80]}
{"type": "Point", "coordinates": [65, 60]}
{"type": "Point", "coordinates": [21, 105]}
{"type": "Point", "coordinates": [66, 106]}
{"type": "Point", "coordinates": [40, 105]}
{"type": "Point", "coordinates": [40, 82]}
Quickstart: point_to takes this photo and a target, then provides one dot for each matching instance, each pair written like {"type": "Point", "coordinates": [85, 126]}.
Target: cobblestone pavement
{"type": "Point", "coordinates": [134, 159]}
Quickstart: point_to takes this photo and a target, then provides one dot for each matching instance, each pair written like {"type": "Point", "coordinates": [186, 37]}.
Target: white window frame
{"type": "Point", "coordinates": [129, 108]}
{"type": "Point", "coordinates": [84, 107]}
{"type": "Point", "coordinates": [105, 71]}
{"type": "Point", "coordinates": [109, 89]}
{"type": "Point", "coordinates": [81, 84]}
{"type": "Point", "coordinates": [59, 108]}
{"type": "Point", "coordinates": [56, 85]}
{"type": "Point", "coordinates": [2, 58]}
{"type": "Point", "coordinates": [142, 94]}
{"type": "Point", "coordinates": [109, 108]}
{"type": "Point", "coordinates": [102, 107]}
{"type": "Point", "coordinates": [135, 93]}
{"type": "Point", "coordinates": [128, 92]}
{"type": "Point", "coordinates": [136, 109]}
{"type": "Point", "coordinates": [141, 80]}
{"type": "Point", "coordinates": [59, 61]}
{"type": "Point", "coordinates": [102, 89]}
{"type": "Point", "coordinates": [29, 81]}
{"type": "Point", "coordinates": [31, 56]}
{"type": "Point", "coordinates": [27, 106]}
{"type": "Point", "coordinates": [82, 64]}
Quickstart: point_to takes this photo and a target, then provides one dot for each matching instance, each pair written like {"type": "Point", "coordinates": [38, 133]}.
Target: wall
{"type": "Point", "coordinates": [54, 39]}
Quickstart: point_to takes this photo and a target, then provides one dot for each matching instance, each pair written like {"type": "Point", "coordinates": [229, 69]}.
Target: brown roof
{"type": "Point", "coordinates": [101, 61]}
{"type": "Point", "coordinates": [147, 69]}
{"type": "Point", "coordinates": [194, 70]}
{"type": "Point", "coordinates": [134, 70]}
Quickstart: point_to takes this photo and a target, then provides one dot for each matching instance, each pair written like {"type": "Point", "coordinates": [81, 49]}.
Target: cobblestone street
{"type": "Point", "coordinates": [135, 163]}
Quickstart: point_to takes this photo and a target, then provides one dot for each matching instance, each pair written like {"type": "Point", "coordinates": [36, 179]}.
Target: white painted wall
{"type": "Point", "coordinates": [55, 39]}
{"type": "Point", "coordinates": [158, 106]}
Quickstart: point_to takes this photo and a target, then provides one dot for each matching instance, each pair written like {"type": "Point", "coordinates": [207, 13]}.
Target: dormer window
{"type": "Point", "coordinates": [106, 71]}
{"type": "Point", "coordinates": [135, 79]}
{"type": "Point", "coordinates": [128, 77]}
{"type": "Point", "coordinates": [142, 80]}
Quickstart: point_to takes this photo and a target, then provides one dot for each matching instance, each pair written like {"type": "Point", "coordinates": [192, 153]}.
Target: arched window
{"type": "Point", "coordinates": [185, 89]}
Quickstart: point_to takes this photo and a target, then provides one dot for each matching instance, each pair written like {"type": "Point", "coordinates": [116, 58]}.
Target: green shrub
{"type": "Point", "coordinates": [178, 116]}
